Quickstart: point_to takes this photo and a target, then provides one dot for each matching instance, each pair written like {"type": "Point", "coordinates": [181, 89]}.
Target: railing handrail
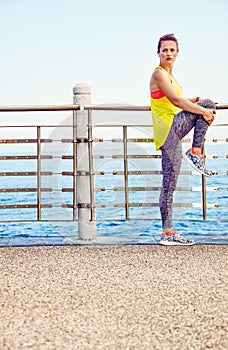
{"type": "Point", "coordinates": [132, 107]}
{"type": "Point", "coordinates": [41, 108]}
{"type": "Point", "coordinates": [72, 107]}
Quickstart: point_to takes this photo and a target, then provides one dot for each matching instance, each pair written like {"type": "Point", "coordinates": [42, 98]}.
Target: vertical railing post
{"type": "Point", "coordinates": [38, 174]}
{"type": "Point", "coordinates": [84, 165]}
{"type": "Point", "coordinates": [74, 165]}
{"type": "Point", "coordinates": [204, 191]}
{"type": "Point", "coordinates": [126, 172]}
{"type": "Point", "coordinates": [204, 197]}
{"type": "Point", "coordinates": [92, 187]}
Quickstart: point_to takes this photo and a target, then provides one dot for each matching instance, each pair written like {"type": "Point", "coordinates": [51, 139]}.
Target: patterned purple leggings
{"type": "Point", "coordinates": [183, 123]}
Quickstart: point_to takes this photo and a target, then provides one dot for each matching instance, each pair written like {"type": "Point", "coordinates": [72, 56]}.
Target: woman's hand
{"type": "Point", "coordinates": [208, 115]}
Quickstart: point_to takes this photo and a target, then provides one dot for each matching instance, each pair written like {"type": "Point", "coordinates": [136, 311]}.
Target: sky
{"type": "Point", "coordinates": [49, 46]}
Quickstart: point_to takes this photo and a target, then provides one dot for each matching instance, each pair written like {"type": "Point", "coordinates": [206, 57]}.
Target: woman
{"type": "Point", "coordinates": [173, 117]}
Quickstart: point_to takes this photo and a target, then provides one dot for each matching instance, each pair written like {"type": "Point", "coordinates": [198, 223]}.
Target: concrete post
{"type": "Point", "coordinates": [84, 164]}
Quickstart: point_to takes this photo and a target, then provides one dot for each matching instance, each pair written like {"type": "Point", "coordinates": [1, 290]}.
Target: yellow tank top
{"type": "Point", "coordinates": [163, 112]}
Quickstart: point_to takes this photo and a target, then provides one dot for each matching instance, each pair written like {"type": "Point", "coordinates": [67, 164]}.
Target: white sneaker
{"type": "Point", "coordinates": [197, 162]}
{"type": "Point", "coordinates": [175, 239]}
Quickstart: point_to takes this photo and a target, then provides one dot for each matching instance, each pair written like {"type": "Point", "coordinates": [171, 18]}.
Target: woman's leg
{"type": "Point", "coordinates": [200, 128]}
{"type": "Point", "coordinates": [185, 121]}
{"type": "Point", "coordinates": [171, 164]}
{"type": "Point", "coordinates": [172, 155]}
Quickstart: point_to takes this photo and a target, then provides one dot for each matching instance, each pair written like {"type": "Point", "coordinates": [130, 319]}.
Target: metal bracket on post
{"type": "Point", "coordinates": [84, 205]}
{"type": "Point", "coordinates": [84, 165]}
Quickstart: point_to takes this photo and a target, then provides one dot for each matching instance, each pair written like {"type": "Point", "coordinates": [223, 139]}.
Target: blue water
{"type": "Point", "coordinates": [145, 224]}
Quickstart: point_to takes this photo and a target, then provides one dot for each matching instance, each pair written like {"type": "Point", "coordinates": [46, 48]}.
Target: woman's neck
{"type": "Point", "coordinates": [168, 69]}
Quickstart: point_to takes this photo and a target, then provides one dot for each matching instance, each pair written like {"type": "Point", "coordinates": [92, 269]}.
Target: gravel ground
{"type": "Point", "coordinates": [114, 297]}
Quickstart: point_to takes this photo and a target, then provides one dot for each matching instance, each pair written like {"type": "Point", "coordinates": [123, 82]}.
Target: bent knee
{"type": "Point", "coordinates": [207, 103]}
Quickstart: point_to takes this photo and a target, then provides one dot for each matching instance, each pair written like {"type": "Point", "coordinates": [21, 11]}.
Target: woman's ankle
{"type": "Point", "coordinates": [196, 150]}
{"type": "Point", "coordinates": [168, 232]}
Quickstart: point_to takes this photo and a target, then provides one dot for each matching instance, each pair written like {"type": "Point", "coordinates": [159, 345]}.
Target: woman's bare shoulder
{"type": "Point", "coordinates": [158, 74]}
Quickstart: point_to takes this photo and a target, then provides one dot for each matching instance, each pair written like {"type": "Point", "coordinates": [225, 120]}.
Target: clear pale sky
{"type": "Point", "coordinates": [48, 46]}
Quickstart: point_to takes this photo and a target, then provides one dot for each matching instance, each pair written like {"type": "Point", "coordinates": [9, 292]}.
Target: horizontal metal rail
{"type": "Point", "coordinates": [140, 205]}
{"type": "Point", "coordinates": [131, 108]}
{"type": "Point", "coordinates": [24, 206]}
{"type": "Point", "coordinates": [7, 141]}
{"type": "Point", "coordinates": [37, 108]}
{"type": "Point", "coordinates": [25, 173]}
{"type": "Point", "coordinates": [34, 190]}
{"type": "Point", "coordinates": [48, 108]}
{"type": "Point", "coordinates": [19, 157]}
{"type": "Point", "coordinates": [116, 189]}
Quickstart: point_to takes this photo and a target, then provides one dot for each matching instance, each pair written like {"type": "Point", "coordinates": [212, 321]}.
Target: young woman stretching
{"type": "Point", "coordinates": [173, 117]}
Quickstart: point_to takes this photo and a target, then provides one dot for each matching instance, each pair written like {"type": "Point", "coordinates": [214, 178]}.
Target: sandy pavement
{"type": "Point", "coordinates": [114, 297]}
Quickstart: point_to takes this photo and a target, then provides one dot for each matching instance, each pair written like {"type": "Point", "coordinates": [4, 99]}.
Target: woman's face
{"type": "Point", "coordinates": [168, 52]}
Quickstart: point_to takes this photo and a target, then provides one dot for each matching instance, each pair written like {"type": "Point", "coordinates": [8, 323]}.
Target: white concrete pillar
{"type": "Point", "coordinates": [84, 167]}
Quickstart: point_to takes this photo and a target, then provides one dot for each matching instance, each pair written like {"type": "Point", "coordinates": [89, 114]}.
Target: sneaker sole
{"type": "Point", "coordinates": [176, 243]}
{"type": "Point", "coordinates": [193, 165]}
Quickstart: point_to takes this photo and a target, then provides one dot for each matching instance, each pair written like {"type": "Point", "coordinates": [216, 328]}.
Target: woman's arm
{"type": "Point", "coordinates": [161, 80]}
{"type": "Point", "coordinates": [194, 99]}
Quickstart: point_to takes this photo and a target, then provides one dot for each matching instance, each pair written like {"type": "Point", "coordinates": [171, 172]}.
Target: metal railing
{"type": "Point", "coordinates": [204, 188]}
{"type": "Point", "coordinates": [67, 149]}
